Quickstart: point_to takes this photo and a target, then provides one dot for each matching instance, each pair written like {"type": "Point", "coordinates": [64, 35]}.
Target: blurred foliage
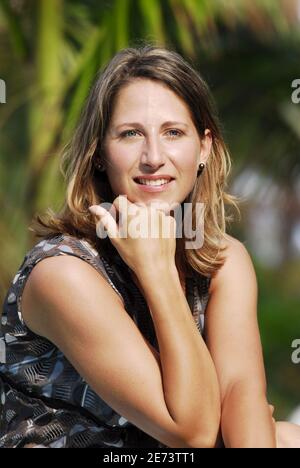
{"type": "Point", "coordinates": [278, 313]}
{"type": "Point", "coordinates": [248, 51]}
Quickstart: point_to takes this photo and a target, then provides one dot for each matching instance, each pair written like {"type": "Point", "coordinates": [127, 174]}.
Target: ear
{"type": "Point", "coordinates": [206, 144]}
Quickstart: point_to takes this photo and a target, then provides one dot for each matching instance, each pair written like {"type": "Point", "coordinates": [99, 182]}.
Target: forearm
{"type": "Point", "coordinates": [190, 382]}
{"type": "Point", "coordinates": [246, 419]}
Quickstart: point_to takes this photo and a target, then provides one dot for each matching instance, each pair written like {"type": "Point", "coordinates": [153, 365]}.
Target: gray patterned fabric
{"type": "Point", "coordinates": [44, 401]}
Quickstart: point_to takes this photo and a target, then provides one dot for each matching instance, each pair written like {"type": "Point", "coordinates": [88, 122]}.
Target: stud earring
{"type": "Point", "coordinates": [200, 169]}
{"type": "Point", "coordinates": [99, 166]}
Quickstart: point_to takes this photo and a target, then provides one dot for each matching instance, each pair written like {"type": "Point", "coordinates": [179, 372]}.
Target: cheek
{"type": "Point", "coordinates": [188, 165]}
{"type": "Point", "coordinates": [186, 155]}
{"type": "Point", "coordinates": [119, 162]}
{"type": "Point", "coordinates": [118, 170]}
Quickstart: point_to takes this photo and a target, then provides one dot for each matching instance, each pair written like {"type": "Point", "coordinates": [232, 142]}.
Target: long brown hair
{"type": "Point", "coordinates": [87, 186]}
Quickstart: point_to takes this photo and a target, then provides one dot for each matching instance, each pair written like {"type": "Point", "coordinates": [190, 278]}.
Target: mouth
{"type": "Point", "coordinates": [154, 185]}
{"type": "Point", "coordinates": [157, 182]}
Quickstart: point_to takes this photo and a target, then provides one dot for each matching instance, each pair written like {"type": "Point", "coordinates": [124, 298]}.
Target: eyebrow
{"type": "Point", "coordinates": [165, 124]}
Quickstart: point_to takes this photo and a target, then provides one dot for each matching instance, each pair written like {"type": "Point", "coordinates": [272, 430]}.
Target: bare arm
{"type": "Point", "coordinates": [232, 335]}
{"type": "Point", "coordinates": [186, 362]}
{"type": "Point", "coordinates": [87, 321]}
{"type": "Point", "coordinates": [246, 418]}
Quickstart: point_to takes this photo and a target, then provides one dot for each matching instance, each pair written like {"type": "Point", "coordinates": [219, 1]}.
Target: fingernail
{"type": "Point", "coordinates": [93, 209]}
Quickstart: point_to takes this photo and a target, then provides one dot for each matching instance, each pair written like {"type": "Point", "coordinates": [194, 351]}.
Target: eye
{"type": "Point", "coordinates": [176, 131]}
{"type": "Point", "coordinates": [125, 134]}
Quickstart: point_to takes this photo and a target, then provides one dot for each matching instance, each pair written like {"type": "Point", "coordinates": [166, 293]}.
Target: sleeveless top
{"type": "Point", "coordinates": [43, 399]}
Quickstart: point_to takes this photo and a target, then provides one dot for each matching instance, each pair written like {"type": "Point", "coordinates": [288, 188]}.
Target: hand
{"type": "Point", "coordinates": [151, 246]}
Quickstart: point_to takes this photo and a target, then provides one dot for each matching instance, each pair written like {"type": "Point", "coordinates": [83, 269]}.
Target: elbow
{"type": "Point", "coordinates": [205, 430]}
{"type": "Point", "coordinates": [209, 439]}
{"type": "Point", "coordinates": [208, 435]}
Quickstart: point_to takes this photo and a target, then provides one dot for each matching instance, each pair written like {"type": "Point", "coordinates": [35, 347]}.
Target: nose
{"type": "Point", "coordinates": [152, 153]}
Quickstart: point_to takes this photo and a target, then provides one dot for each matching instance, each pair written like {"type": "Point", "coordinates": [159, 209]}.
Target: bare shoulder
{"type": "Point", "coordinates": [67, 301]}
{"type": "Point", "coordinates": [232, 244]}
{"type": "Point", "coordinates": [238, 266]}
{"type": "Point", "coordinates": [55, 283]}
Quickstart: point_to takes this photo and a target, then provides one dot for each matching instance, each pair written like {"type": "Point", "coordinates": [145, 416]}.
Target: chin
{"type": "Point", "coordinates": [159, 202]}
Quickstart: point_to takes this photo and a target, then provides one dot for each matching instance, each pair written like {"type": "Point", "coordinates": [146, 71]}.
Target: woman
{"type": "Point", "coordinates": [112, 351]}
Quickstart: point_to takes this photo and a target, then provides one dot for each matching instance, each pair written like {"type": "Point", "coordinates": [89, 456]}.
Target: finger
{"type": "Point", "coordinates": [121, 204]}
{"type": "Point", "coordinates": [109, 224]}
{"type": "Point", "coordinates": [98, 211]}
{"type": "Point", "coordinates": [271, 408]}
{"type": "Point", "coordinates": [106, 221]}
{"type": "Point", "coordinates": [125, 208]}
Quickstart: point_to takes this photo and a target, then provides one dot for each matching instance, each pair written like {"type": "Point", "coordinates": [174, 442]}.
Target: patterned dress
{"type": "Point", "coordinates": [43, 399]}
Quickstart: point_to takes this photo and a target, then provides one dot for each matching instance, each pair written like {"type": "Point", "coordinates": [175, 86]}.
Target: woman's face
{"type": "Point", "coordinates": [151, 133]}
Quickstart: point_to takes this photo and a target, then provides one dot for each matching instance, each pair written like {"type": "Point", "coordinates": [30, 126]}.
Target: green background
{"type": "Point", "coordinates": [249, 53]}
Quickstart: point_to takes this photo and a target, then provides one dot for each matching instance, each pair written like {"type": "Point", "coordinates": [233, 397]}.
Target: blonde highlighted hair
{"type": "Point", "coordinates": [87, 186]}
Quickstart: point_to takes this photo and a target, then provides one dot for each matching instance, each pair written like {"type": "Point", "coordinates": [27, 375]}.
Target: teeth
{"type": "Point", "coordinates": [153, 182]}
